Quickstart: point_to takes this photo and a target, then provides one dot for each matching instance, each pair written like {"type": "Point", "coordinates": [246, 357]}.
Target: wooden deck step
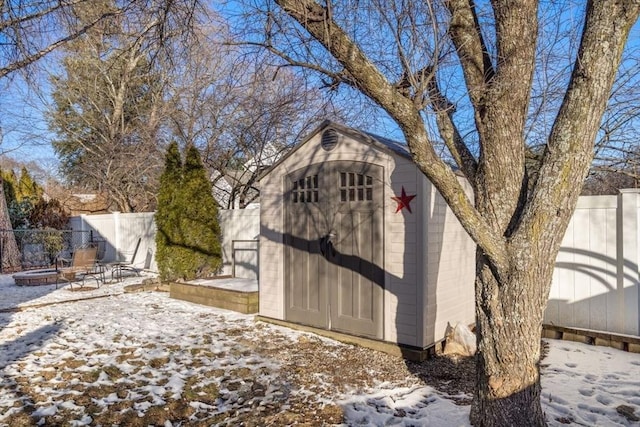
{"type": "Point", "coordinates": [229, 299]}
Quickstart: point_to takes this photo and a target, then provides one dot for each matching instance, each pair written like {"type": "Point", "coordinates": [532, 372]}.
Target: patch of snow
{"type": "Point", "coordinates": [84, 421]}
{"type": "Point", "coordinates": [415, 406]}
{"type": "Point", "coordinates": [585, 384]}
{"type": "Point", "coordinates": [149, 345]}
{"type": "Point", "coordinates": [45, 411]}
{"type": "Point", "coordinates": [235, 284]}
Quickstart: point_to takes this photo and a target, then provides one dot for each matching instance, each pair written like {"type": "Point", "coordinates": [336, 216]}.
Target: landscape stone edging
{"type": "Point", "coordinates": [630, 343]}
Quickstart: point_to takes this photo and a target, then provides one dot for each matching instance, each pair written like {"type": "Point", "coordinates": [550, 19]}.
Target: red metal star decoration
{"type": "Point", "coordinates": [403, 201]}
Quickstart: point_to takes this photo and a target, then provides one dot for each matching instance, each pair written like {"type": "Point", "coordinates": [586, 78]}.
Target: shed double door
{"type": "Point", "coordinates": [334, 277]}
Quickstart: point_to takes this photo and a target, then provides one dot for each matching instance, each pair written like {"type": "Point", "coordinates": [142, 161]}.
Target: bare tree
{"type": "Point", "coordinates": [603, 182]}
{"type": "Point", "coordinates": [420, 61]}
{"type": "Point", "coordinates": [241, 111]}
{"type": "Point", "coordinates": [30, 30]}
{"type": "Point", "coordinates": [106, 114]}
{"type": "Point", "coordinates": [272, 111]}
{"type": "Point", "coordinates": [109, 106]}
{"type": "Point", "coordinates": [616, 146]}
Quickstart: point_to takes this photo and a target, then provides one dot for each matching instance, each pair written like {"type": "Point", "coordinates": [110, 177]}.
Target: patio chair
{"type": "Point", "coordinates": [83, 264]}
{"type": "Point", "coordinates": [117, 267]}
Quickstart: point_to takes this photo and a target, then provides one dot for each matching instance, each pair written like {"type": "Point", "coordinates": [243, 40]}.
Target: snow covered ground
{"type": "Point", "coordinates": [145, 359]}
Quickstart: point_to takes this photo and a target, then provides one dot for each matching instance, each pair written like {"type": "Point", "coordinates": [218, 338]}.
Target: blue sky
{"type": "Point", "coordinates": [24, 130]}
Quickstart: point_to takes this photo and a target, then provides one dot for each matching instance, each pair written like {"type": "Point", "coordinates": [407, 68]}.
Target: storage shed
{"type": "Point", "coordinates": [354, 239]}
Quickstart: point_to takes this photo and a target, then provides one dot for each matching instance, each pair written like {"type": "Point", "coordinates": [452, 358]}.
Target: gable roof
{"type": "Point", "coordinates": [379, 142]}
{"type": "Point", "coordinates": [385, 144]}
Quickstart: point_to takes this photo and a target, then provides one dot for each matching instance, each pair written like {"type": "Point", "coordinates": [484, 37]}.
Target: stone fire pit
{"type": "Point", "coordinates": [44, 276]}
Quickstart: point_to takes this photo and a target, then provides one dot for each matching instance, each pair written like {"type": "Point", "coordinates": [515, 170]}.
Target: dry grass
{"type": "Point", "coordinates": [253, 393]}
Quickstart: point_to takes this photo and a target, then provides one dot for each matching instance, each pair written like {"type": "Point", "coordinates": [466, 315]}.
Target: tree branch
{"type": "Point", "coordinates": [337, 77]}
{"type": "Point", "coordinates": [30, 59]}
{"type": "Point", "coordinates": [15, 20]}
{"type": "Point", "coordinates": [569, 151]}
{"type": "Point", "coordinates": [374, 84]}
{"type": "Point", "coordinates": [449, 131]}
{"type": "Point", "coordinates": [472, 51]}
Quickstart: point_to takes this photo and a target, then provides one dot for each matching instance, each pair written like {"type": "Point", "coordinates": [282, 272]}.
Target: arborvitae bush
{"type": "Point", "coordinates": [166, 216]}
{"type": "Point", "coordinates": [188, 238]}
{"type": "Point", "coordinates": [199, 219]}
{"type": "Point", "coordinates": [27, 188]}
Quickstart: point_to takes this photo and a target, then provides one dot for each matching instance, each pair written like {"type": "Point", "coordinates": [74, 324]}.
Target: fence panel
{"type": "Point", "coordinates": [595, 281]}
{"type": "Point", "coordinates": [242, 225]}
{"type": "Point", "coordinates": [121, 231]}
{"type": "Point", "coordinates": [102, 226]}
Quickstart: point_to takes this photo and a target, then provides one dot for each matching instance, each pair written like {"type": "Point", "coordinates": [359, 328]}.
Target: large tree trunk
{"type": "Point", "coordinates": [518, 227]}
{"type": "Point", "coordinates": [509, 325]}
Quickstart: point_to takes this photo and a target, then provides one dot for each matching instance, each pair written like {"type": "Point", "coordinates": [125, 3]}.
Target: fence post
{"type": "Point", "coordinates": [116, 234]}
{"type": "Point", "coordinates": [82, 228]}
{"type": "Point", "coordinates": [628, 277]}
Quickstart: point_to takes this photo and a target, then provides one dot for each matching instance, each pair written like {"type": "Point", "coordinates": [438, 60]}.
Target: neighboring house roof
{"type": "Point", "coordinates": [78, 204]}
{"type": "Point", "coordinates": [269, 154]}
{"type": "Point", "coordinates": [232, 178]}
{"type": "Point", "coordinates": [237, 177]}
{"type": "Point", "coordinates": [225, 181]}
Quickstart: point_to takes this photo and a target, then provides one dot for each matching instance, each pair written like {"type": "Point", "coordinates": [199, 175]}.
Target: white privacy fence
{"type": "Point", "coordinates": [595, 282]}
{"type": "Point", "coordinates": [120, 232]}
{"type": "Point", "coordinates": [240, 234]}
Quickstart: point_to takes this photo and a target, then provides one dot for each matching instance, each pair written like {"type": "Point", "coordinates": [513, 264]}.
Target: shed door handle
{"type": "Point", "coordinates": [326, 246]}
